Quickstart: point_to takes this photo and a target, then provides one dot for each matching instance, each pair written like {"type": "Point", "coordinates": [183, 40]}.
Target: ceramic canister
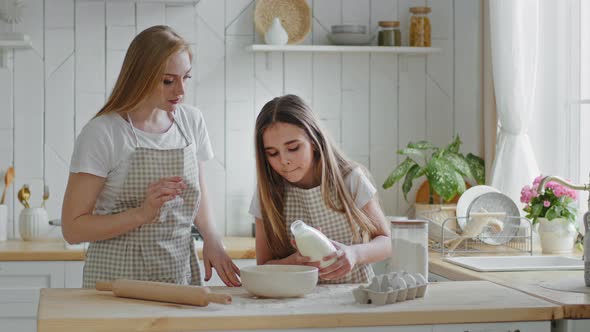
{"type": "Point", "coordinates": [31, 223]}
{"type": "Point", "coordinates": [3, 222]}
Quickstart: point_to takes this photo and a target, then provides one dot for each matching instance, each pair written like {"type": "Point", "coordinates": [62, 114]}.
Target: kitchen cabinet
{"type": "Point", "coordinates": [572, 325]}
{"type": "Point", "coordinates": [19, 291]}
{"type": "Point", "coordinates": [492, 327]}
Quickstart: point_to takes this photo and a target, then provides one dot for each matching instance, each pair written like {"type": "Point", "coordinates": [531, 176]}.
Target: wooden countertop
{"type": "Point", "coordinates": [54, 250]}
{"type": "Point", "coordinates": [328, 306]}
{"type": "Point", "coordinates": [575, 305]}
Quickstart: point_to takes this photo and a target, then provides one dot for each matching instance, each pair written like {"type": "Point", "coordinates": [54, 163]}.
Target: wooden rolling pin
{"type": "Point", "coordinates": [163, 292]}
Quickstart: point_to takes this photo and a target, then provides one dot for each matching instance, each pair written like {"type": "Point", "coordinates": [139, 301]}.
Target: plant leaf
{"type": "Point", "coordinates": [455, 145]}
{"type": "Point", "coordinates": [460, 183]}
{"type": "Point", "coordinates": [398, 173]}
{"type": "Point", "coordinates": [460, 164]}
{"type": "Point", "coordinates": [421, 145]}
{"type": "Point", "coordinates": [537, 209]}
{"type": "Point", "coordinates": [477, 166]}
{"type": "Point", "coordinates": [408, 181]}
{"type": "Point", "coordinates": [442, 177]}
{"type": "Point", "coordinates": [415, 154]}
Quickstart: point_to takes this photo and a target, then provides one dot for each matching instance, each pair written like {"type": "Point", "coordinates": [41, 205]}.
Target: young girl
{"type": "Point", "coordinates": [302, 175]}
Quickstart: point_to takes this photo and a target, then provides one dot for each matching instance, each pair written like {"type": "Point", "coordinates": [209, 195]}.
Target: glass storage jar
{"type": "Point", "coordinates": [409, 246]}
{"type": "Point", "coordinates": [420, 27]}
{"type": "Point", "coordinates": [389, 34]}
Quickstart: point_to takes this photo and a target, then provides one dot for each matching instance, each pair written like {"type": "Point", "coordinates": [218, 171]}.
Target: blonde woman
{"type": "Point", "coordinates": [136, 178]}
{"type": "Point", "coordinates": [302, 175]}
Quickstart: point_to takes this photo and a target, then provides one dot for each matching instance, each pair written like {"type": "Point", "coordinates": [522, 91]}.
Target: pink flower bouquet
{"type": "Point", "coordinates": [556, 202]}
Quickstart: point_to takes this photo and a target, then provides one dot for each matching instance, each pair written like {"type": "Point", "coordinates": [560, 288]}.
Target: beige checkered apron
{"type": "Point", "coordinates": [308, 205]}
{"type": "Point", "coordinates": [160, 251]}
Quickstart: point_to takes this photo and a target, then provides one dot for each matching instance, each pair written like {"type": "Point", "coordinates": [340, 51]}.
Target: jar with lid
{"type": "Point", "coordinates": [409, 246]}
{"type": "Point", "coordinates": [389, 34]}
{"type": "Point", "coordinates": [420, 27]}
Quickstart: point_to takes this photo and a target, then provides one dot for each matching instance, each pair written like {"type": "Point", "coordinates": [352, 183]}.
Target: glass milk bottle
{"type": "Point", "coordinates": [409, 246]}
{"type": "Point", "coordinates": [312, 243]}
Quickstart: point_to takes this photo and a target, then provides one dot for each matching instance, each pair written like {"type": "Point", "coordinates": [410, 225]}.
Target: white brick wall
{"type": "Point", "coordinates": [372, 103]}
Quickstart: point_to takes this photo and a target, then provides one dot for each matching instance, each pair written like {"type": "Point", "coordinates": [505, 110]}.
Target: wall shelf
{"type": "Point", "coordinates": [344, 49]}
{"type": "Point", "coordinates": [15, 43]}
{"type": "Point", "coordinates": [11, 41]}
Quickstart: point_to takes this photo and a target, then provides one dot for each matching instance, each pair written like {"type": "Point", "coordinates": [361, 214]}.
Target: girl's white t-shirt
{"type": "Point", "coordinates": [106, 143]}
{"type": "Point", "coordinates": [360, 186]}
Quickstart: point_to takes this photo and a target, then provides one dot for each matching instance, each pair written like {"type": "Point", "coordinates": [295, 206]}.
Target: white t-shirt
{"type": "Point", "coordinates": [357, 182]}
{"type": "Point", "coordinates": [105, 145]}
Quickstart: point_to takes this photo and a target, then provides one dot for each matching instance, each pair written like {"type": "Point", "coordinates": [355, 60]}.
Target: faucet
{"type": "Point", "coordinates": [547, 179]}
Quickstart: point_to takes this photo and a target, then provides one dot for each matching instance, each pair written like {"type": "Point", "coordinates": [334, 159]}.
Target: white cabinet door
{"type": "Point", "coordinates": [73, 274]}
{"type": "Point", "coordinates": [31, 275]}
{"type": "Point", "coordinates": [543, 326]}
{"type": "Point", "coordinates": [19, 292]}
{"type": "Point", "coordinates": [215, 280]}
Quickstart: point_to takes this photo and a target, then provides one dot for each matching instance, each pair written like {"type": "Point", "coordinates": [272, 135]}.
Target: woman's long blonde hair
{"type": "Point", "coordinates": [143, 67]}
{"type": "Point", "coordinates": [329, 162]}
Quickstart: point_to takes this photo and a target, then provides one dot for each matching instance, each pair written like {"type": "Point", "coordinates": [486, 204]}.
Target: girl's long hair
{"type": "Point", "coordinates": [143, 67]}
{"type": "Point", "coordinates": [329, 162]}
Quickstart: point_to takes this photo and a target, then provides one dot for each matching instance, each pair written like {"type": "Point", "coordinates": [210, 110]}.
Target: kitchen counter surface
{"type": "Point", "coordinates": [55, 250]}
{"type": "Point", "coordinates": [575, 305]}
{"type": "Point", "coordinates": [328, 306]}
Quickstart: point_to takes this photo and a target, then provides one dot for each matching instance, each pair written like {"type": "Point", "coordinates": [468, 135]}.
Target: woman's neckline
{"type": "Point", "coordinates": [149, 133]}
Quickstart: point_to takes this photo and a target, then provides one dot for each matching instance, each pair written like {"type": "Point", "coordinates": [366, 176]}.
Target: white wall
{"type": "Point", "coordinates": [372, 103]}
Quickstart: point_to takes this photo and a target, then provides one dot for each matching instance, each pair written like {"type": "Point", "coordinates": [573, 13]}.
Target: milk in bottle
{"type": "Point", "coordinates": [312, 243]}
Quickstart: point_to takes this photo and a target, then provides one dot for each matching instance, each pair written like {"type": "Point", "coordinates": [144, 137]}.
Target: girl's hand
{"type": "Point", "coordinates": [214, 256]}
{"type": "Point", "coordinates": [345, 261]}
{"type": "Point", "coordinates": [158, 193]}
{"type": "Point", "coordinates": [298, 259]}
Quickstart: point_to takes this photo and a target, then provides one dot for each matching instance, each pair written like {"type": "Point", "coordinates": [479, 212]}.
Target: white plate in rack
{"type": "Point", "coordinates": [467, 198]}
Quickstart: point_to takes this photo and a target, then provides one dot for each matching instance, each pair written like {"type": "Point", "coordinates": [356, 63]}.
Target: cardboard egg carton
{"type": "Point", "coordinates": [391, 288]}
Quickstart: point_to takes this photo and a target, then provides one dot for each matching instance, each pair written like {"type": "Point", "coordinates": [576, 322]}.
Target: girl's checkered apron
{"type": "Point", "coordinates": [308, 205]}
{"type": "Point", "coordinates": [160, 251]}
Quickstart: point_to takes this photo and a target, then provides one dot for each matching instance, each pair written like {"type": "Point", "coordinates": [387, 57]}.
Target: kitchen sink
{"type": "Point", "coordinates": [517, 263]}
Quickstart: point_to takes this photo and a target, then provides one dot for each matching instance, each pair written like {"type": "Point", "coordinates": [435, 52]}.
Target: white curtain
{"type": "Point", "coordinates": [514, 34]}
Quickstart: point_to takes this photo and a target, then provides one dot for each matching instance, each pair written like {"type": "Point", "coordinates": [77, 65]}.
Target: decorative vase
{"type": "Point", "coordinates": [276, 34]}
{"type": "Point", "coordinates": [32, 223]}
{"type": "Point", "coordinates": [557, 235]}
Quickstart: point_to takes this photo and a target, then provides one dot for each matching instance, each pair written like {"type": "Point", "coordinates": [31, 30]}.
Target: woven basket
{"type": "Point", "coordinates": [295, 17]}
{"type": "Point", "coordinates": [436, 214]}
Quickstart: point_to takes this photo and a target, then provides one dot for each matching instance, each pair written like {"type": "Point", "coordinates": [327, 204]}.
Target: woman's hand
{"type": "Point", "coordinates": [345, 262]}
{"type": "Point", "coordinates": [214, 256]}
{"type": "Point", "coordinates": [158, 193]}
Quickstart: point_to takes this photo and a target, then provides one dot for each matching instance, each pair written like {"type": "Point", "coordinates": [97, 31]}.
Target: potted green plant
{"type": "Point", "coordinates": [446, 169]}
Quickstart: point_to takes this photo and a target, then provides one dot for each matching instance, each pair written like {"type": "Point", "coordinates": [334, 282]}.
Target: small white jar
{"type": "Point", "coordinates": [32, 223]}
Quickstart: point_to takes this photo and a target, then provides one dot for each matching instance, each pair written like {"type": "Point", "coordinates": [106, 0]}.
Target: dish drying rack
{"type": "Point", "coordinates": [515, 237]}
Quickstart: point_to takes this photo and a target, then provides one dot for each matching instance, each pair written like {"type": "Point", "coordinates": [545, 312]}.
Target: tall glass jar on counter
{"type": "Point", "coordinates": [389, 34]}
{"type": "Point", "coordinates": [409, 246]}
{"type": "Point", "coordinates": [420, 27]}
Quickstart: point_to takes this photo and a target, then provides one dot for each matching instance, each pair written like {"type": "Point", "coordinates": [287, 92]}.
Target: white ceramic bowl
{"type": "Point", "coordinates": [349, 28]}
{"type": "Point", "coordinates": [350, 38]}
{"type": "Point", "coordinates": [279, 281]}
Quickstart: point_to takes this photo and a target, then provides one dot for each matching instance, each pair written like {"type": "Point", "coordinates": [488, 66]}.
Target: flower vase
{"type": "Point", "coordinates": [557, 235]}
{"type": "Point", "coordinates": [276, 34]}
{"type": "Point", "coordinates": [33, 223]}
